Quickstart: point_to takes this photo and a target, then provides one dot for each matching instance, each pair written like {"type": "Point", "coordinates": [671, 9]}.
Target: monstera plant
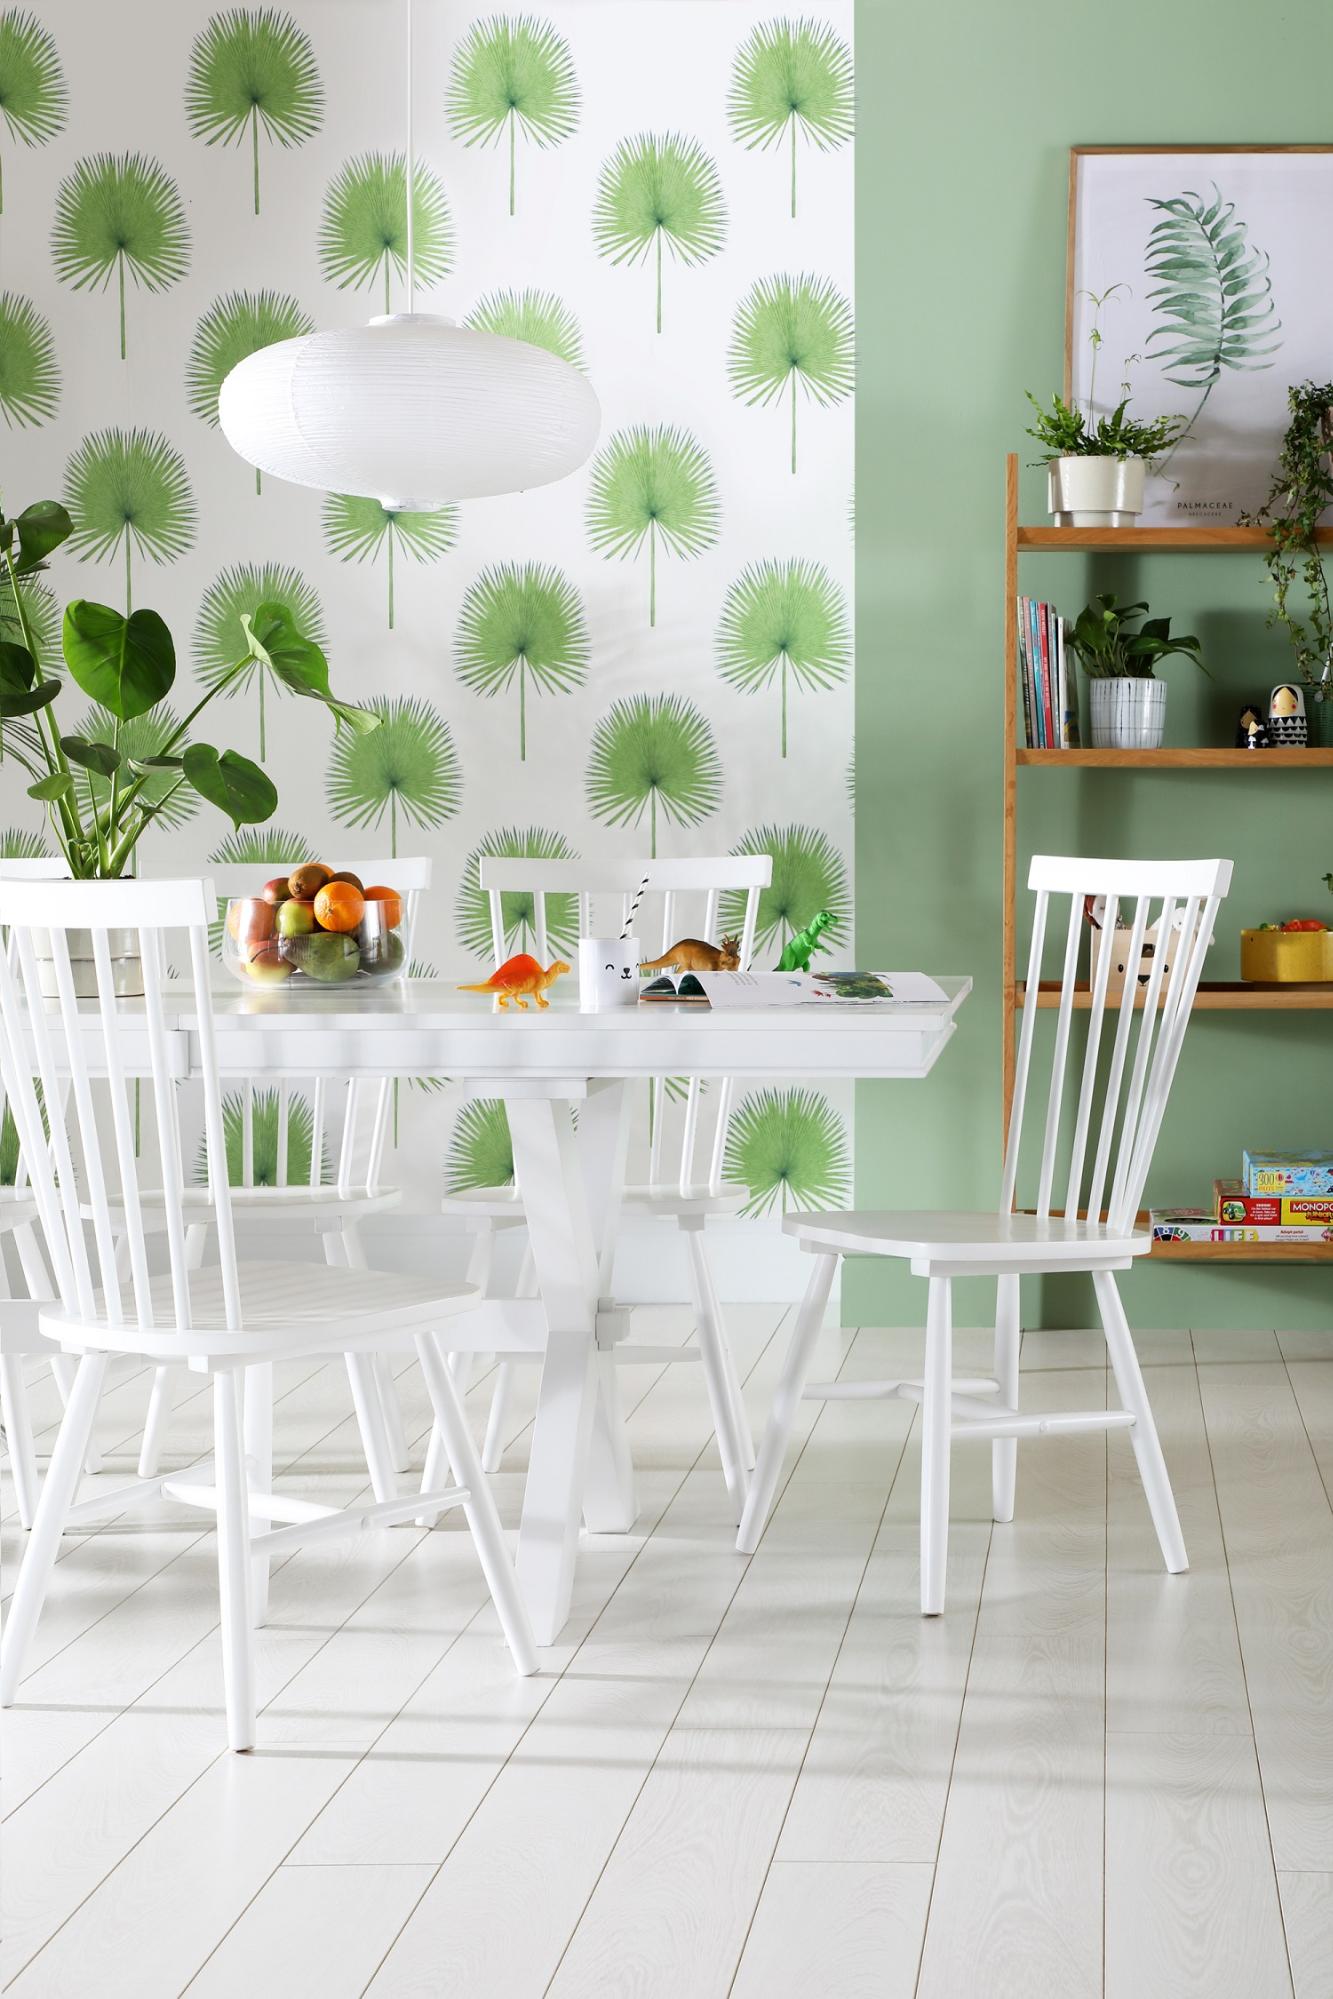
{"type": "Point", "coordinates": [100, 791]}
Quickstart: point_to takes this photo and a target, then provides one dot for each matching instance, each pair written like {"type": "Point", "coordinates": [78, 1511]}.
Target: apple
{"type": "Point", "coordinates": [267, 967]}
{"type": "Point", "coordinates": [277, 890]}
{"type": "Point", "coordinates": [295, 918]}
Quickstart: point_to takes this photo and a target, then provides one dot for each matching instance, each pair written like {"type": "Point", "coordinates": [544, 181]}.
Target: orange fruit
{"type": "Point", "coordinates": [339, 906]}
{"type": "Point", "coordinates": [307, 880]}
{"type": "Point", "coordinates": [393, 904]}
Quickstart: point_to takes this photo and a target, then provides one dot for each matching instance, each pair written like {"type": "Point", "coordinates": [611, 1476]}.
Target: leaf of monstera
{"type": "Point", "coordinates": [299, 664]}
{"type": "Point", "coordinates": [232, 783]}
{"type": "Point", "coordinates": [21, 693]}
{"type": "Point", "coordinates": [40, 528]}
{"type": "Point", "coordinates": [104, 758]}
{"type": "Point", "coordinates": [128, 664]}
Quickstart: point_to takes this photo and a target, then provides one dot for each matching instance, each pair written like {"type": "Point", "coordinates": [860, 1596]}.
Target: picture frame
{"type": "Point", "coordinates": [1202, 272]}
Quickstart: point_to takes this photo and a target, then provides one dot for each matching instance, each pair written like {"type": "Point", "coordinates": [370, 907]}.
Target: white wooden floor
{"type": "Point", "coordinates": [761, 1778]}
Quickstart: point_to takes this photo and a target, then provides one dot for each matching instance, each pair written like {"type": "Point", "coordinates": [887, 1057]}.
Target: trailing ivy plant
{"type": "Point", "coordinates": [126, 663]}
{"type": "Point", "coordinates": [1301, 491]}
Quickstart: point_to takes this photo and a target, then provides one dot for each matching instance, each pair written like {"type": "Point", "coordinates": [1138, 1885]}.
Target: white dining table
{"type": "Point", "coordinates": [542, 1062]}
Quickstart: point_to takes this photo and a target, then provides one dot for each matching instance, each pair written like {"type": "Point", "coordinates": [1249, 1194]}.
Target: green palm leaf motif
{"type": "Point", "coordinates": [33, 98]}
{"type": "Point", "coordinates": [364, 230]}
{"type": "Point", "coordinates": [256, 846]}
{"type": "Point", "coordinates": [540, 318]}
{"type": "Point", "coordinates": [518, 907]}
{"type": "Point", "coordinates": [788, 1147]}
{"type": "Point", "coordinates": [219, 640]}
{"type": "Point", "coordinates": [783, 618]}
{"type": "Point", "coordinates": [512, 74]}
{"type": "Point", "coordinates": [146, 736]}
{"type": "Point", "coordinates": [264, 1162]}
{"type": "Point", "coordinates": [657, 189]}
{"type": "Point", "coordinates": [789, 331]}
{"type": "Point", "coordinates": [233, 327]}
{"type": "Point", "coordinates": [652, 485]}
{"type": "Point", "coordinates": [790, 77]}
{"type": "Point", "coordinates": [18, 844]}
{"type": "Point", "coordinates": [128, 489]}
{"type": "Point", "coordinates": [43, 617]}
{"type": "Point", "coordinates": [481, 1152]}
{"type": "Point", "coordinates": [1214, 301]}
{"type": "Point", "coordinates": [116, 214]}
{"type": "Point", "coordinates": [808, 875]}
{"type": "Point", "coordinates": [29, 377]}
{"type": "Point", "coordinates": [409, 762]}
{"type": "Point", "coordinates": [356, 527]}
{"type": "Point", "coordinates": [653, 751]}
{"type": "Point", "coordinates": [522, 622]}
{"type": "Point", "coordinates": [250, 68]}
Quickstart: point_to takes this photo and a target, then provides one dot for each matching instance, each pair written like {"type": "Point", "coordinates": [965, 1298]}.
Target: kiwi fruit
{"type": "Point", "coordinates": [307, 880]}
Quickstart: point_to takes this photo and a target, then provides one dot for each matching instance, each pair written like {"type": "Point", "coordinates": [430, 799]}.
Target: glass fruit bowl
{"type": "Point", "coordinates": [270, 943]}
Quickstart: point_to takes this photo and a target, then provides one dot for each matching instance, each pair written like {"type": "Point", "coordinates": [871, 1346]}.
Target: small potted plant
{"type": "Point", "coordinates": [1128, 702]}
{"type": "Point", "coordinates": [1300, 495]}
{"type": "Point", "coordinates": [99, 799]}
{"type": "Point", "coordinates": [1095, 469]}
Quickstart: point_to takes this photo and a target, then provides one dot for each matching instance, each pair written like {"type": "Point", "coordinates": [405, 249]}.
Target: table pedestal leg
{"type": "Point", "coordinates": [609, 1505]}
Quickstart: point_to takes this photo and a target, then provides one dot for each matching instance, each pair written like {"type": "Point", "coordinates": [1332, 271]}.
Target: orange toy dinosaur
{"type": "Point", "coordinates": [517, 977]}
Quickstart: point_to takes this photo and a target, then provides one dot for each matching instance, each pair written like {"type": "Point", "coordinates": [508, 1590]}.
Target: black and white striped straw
{"type": "Point", "coordinates": [633, 908]}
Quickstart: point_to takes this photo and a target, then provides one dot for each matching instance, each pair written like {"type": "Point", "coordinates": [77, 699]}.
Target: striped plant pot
{"type": "Point", "coordinates": [1128, 714]}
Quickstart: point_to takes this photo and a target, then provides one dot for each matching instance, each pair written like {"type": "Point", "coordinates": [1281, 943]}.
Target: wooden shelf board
{"type": "Point", "coordinates": [1125, 541]}
{"type": "Point", "coordinates": [1214, 996]}
{"type": "Point", "coordinates": [1188, 759]}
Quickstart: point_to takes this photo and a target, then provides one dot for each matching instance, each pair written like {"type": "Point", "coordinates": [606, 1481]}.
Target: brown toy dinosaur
{"type": "Point", "coordinates": [691, 954]}
{"type": "Point", "coordinates": [518, 977]}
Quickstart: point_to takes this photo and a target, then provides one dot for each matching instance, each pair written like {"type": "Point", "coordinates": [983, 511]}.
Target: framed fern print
{"type": "Point", "coordinates": [1198, 285]}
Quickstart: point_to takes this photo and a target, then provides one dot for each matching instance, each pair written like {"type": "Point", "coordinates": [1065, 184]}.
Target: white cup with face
{"type": "Point", "coordinates": [608, 973]}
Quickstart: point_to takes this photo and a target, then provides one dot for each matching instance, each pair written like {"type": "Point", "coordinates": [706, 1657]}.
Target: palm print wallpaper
{"type": "Point", "coordinates": [653, 656]}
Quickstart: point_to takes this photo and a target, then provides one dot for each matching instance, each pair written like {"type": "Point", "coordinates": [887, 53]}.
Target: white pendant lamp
{"type": "Point", "coordinates": [412, 410]}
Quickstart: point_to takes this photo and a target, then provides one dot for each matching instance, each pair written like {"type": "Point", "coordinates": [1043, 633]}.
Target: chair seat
{"type": "Point", "coordinates": [670, 1200]}
{"type": "Point", "coordinates": [953, 1235]}
{"type": "Point", "coordinates": [288, 1202]}
{"type": "Point", "coordinates": [500, 1204]}
{"type": "Point", "coordinates": [285, 1308]}
{"type": "Point", "coordinates": [16, 1207]}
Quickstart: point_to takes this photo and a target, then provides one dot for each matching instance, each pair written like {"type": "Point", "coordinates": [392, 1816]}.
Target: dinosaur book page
{"type": "Point", "coordinates": [777, 989]}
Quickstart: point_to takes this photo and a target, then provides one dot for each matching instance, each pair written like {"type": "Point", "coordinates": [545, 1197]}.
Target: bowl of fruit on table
{"type": "Point", "coordinates": [315, 924]}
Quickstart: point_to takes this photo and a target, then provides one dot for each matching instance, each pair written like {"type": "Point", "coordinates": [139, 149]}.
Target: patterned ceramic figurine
{"type": "Point", "coordinates": [1287, 725]}
{"type": "Point", "coordinates": [1251, 732]}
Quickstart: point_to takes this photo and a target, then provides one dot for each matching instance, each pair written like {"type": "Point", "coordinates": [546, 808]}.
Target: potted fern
{"type": "Point", "coordinates": [1095, 470]}
{"type": "Point", "coordinates": [1128, 702]}
{"type": "Point", "coordinates": [100, 798]}
{"type": "Point", "coordinates": [1297, 500]}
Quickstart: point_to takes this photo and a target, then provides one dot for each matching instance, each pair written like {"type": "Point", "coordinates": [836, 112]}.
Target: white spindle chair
{"type": "Point", "coordinates": [350, 1119]}
{"type": "Point", "coordinates": [1095, 1163]}
{"type": "Point", "coordinates": [685, 1157]}
{"type": "Point", "coordinates": [106, 1219]}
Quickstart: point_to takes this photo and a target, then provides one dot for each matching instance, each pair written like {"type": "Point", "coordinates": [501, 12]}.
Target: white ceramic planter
{"type": "Point", "coordinates": [1127, 714]}
{"type": "Point", "coordinates": [126, 964]}
{"type": "Point", "coordinates": [1095, 492]}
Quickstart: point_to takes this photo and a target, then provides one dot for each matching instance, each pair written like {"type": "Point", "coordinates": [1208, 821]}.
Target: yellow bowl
{"type": "Point", "coordinates": [1286, 957]}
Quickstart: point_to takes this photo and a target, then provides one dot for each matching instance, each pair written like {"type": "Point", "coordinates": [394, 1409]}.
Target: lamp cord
{"type": "Point", "coordinates": [411, 171]}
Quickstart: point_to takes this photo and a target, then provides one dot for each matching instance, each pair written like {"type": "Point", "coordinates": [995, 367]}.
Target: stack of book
{"type": "Point", "coordinates": [1046, 675]}
{"type": "Point", "coordinates": [1280, 1197]}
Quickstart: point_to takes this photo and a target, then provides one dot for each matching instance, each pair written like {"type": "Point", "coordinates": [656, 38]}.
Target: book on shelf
{"type": "Point", "coordinates": [1046, 678]}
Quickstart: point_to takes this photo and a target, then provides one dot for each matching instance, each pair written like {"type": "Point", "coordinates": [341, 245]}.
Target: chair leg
{"type": "Point", "coordinates": [492, 1449]}
{"type": "Point", "coordinates": [354, 1256]}
{"type": "Point", "coordinates": [796, 1368]}
{"type": "Point", "coordinates": [370, 1422]}
{"type": "Point", "coordinates": [936, 1421]}
{"type": "Point", "coordinates": [167, 1380]}
{"type": "Point", "coordinates": [57, 1496]}
{"type": "Point", "coordinates": [235, 1556]}
{"type": "Point", "coordinates": [740, 1421]}
{"type": "Point", "coordinates": [711, 1342]}
{"type": "Point", "coordinates": [479, 1507]}
{"type": "Point", "coordinates": [257, 1408]}
{"type": "Point", "coordinates": [1147, 1446]}
{"type": "Point", "coordinates": [1004, 1450]}
{"type": "Point", "coordinates": [18, 1438]}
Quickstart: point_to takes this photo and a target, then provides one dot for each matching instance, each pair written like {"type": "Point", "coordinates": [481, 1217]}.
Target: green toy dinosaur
{"type": "Point", "coordinates": [799, 949]}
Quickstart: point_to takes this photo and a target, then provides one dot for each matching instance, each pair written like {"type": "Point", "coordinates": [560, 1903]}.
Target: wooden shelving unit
{"type": "Point", "coordinates": [1215, 996]}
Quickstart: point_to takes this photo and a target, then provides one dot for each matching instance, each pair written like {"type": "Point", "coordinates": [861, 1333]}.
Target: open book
{"type": "Point", "coordinates": [777, 989]}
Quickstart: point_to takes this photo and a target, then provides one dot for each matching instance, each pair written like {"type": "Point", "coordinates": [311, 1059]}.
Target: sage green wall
{"type": "Point", "coordinates": [965, 113]}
